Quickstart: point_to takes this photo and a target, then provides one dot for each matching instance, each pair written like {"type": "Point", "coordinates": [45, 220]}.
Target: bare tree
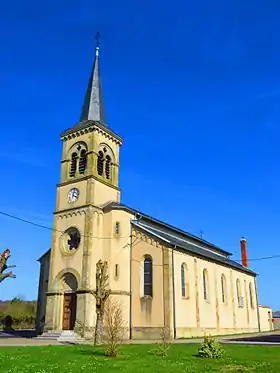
{"type": "Point", "coordinates": [164, 343]}
{"type": "Point", "coordinates": [114, 325]}
{"type": "Point", "coordinates": [3, 265]}
{"type": "Point", "coordinates": [101, 294]}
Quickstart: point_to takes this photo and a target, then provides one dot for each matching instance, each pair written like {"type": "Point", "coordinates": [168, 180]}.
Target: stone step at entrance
{"type": "Point", "coordinates": [61, 336]}
{"type": "Point", "coordinates": [49, 335]}
{"type": "Point", "coordinates": [69, 336]}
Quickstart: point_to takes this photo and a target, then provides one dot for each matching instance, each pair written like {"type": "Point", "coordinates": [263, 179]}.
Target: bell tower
{"type": "Point", "coordinates": [89, 178]}
{"type": "Point", "coordinates": [90, 152]}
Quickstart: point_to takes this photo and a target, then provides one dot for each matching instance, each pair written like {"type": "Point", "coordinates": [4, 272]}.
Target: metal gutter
{"type": "Point", "coordinates": [257, 305]}
{"type": "Point", "coordinates": [173, 293]}
{"type": "Point", "coordinates": [130, 283]}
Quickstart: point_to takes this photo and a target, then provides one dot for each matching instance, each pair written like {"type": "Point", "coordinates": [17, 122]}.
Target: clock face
{"type": "Point", "coordinates": [73, 195]}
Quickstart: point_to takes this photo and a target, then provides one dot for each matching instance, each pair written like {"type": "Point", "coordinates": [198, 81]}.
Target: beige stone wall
{"type": "Point", "coordinates": [116, 251]}
{"type": "Point", "coordinates": [60, 258]}
{"type": "Point", "coordinates": [185, 306]}
{"type": "Point", "coordinates": [43, 288]}
{"type": "Point", "coordinates": [147, 313]}
{"type": "Point", "coordinates": [265, 318]}
{"type": "Point", "coordinates": [104, 193]}
{"type": "Point", "coordinates": [102, 243]}
{"type": "Point", "coordinates": [196, 316]}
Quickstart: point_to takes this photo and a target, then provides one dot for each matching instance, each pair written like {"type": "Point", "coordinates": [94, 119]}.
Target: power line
{"type": "Point", "coordinates": [276, 256]}
{"type": "Point", "coordinates": [52, 229]}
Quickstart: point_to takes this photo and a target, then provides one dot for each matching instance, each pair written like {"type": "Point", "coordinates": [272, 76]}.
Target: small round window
{"type": "Point", "coordinates": [71, 239]}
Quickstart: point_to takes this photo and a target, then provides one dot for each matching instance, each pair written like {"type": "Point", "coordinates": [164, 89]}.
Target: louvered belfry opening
{"type": "Point", "coordinates": [82, 162]}
{"type": "Point", "coordinates": [108, 167]}
{"type": "Point", "coordinates": [73, 166]}
{"type": "Point", "coordinates": [100, 163]}
{"type": "Point", "coordinates": [104, 163]}
{"type": "Point", "coordinates": [78, 161]}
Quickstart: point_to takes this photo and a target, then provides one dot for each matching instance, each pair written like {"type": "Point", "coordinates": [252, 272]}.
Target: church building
{"type": "Point", "coordinates": [163, 276]}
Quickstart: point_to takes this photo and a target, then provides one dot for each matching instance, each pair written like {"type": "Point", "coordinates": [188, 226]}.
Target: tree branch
{"type": "Point", "coordinates": [7, 275]}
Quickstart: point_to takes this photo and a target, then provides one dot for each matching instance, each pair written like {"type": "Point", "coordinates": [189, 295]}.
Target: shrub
{"type": "Point", "coordinates": [164, 343]}
{"type": "Point", "coordinates": [115, 326]}
{"type": "Point", "coordinates": [211, 348]}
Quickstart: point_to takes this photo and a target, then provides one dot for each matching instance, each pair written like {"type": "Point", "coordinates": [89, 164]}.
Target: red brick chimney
{"type": "Point", "coordinates": [244, 255]}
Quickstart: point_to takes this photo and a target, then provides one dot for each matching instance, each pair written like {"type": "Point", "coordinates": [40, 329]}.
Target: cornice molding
{"type": "Point", "coordinates": [112, 292]}
{"type": "Point", "coordinates": [90, 127]}
{"type": "Point", "coordinates": [79, 210]}
{"type": "Point", "coordinates": [78, 179]}
{"type": "Point", "coordinates": [53, 293]}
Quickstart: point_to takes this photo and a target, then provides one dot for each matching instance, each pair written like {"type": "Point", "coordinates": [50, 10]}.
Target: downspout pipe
{"type": "Point", "coordinates": [257, 305]}
{"type": "Point", "coordinates": [173, 293]}
{"type": "Point", "coordinates": [137, 218]}
{"type": "Point", "coordinates": [130, 282]}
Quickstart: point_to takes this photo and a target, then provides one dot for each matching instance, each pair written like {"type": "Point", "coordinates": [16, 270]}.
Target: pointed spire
{"type": "Point", "coordinates": [93, 108]}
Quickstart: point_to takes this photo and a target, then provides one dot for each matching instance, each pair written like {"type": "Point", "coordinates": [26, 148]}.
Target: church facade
{"type": "Point", "coordinates": [163, 276]}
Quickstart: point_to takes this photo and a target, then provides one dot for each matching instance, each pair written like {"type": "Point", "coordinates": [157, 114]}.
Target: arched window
{"type": "Point", "coordinates": [78, 160]}
{"type": "Point", "coordinates": [238, 289]}
{"type": "Point", "coordinates": [238, 293]}
{"type": "Point", "coordinates": [148, 276]}
{"type": "Point", "coordinates": [184, 281]}
{"type": "Point", "coordinates": [251, 295]}
{"type": "Point", "coordinates": [83, 161]}
{"type": "Point", "coordinates": [223, 288]}
{"type": "Point", "coordinates": [100, 163]}
{"type": "Point", "coordinates": [108, 167]}
{"type": "Point", "coordinates": [205, 285]}
{"type": "Point", "coordinates": [73, 166]}
{"type": "Point", "coordinates": [117, 267]}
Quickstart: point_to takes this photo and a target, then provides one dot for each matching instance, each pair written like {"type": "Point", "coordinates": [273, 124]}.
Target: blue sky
{"type": "Point", "coordinates": [193, 88]}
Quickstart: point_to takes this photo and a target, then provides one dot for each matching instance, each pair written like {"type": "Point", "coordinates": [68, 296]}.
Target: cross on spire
{"type": "Point", "coordinates": [97, 38]}
{"type": "Point", "coordinates": [93, 108]}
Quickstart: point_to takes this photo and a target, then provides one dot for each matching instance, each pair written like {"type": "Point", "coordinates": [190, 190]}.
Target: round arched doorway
{"type": "Point", "coordinates": [69, 286]}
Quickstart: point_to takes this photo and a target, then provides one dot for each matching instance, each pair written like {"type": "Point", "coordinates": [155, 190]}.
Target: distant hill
{"type": "Point", "coordinates": [276, 314]}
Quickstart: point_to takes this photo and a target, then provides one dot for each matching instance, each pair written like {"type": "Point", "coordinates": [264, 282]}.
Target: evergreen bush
{"type": "Point", "coordinates": [211, 348]}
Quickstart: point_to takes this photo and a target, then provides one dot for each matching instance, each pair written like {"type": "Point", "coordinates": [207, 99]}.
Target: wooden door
{"type": "Point", "coordinates": [69, 311]}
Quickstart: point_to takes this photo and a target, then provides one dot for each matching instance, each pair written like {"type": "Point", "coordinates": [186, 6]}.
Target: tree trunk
{"type": "Point", "coordinates": [98, 329]}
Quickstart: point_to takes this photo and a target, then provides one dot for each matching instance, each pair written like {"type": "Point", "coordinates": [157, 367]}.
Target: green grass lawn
{"type": "Point", "coordinates": [136, 358]}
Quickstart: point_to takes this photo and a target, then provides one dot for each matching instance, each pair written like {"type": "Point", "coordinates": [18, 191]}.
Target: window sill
{"type": "Point", "coordinates": [186, 298]}
{"type": "Point", "coordinates": [146, 297]}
